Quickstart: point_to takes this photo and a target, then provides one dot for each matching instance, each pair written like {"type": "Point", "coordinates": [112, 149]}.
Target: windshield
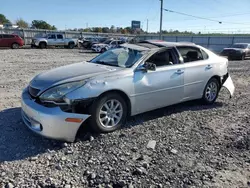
{"type": "Point", "coordinates": [119, 57]}
{"type": "Point", "coordinates": [243, 46]}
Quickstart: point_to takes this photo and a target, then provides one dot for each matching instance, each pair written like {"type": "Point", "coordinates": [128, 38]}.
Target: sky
{"type": "Point", "coordinates": [101, 13]}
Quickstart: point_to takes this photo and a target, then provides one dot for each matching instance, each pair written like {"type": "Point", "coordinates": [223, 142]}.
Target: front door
{"type": "Point", "coordinates": [52, 40]}
{"type": "Point", "coordinates": [159, 88]}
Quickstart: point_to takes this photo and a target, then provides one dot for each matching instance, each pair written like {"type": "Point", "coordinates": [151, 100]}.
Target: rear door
{"type": "Point", "coordinates": [198, 70]}
{"type": "Point", "coordinates": [59, 40]}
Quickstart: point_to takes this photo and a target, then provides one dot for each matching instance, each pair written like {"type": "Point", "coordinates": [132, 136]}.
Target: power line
{"type": "Point", "coordinates": [192, 16]}
{"type": "Point", "coordinates": [220, 22]}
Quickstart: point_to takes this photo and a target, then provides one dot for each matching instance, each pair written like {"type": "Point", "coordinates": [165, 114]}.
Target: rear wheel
{"type": "Point", "coordinates": [15, 46]}
{"type": "Point", "coordinates": [108, 113]}
{"type": "Point", "coordinates": [71, 45]}
{"type": "Point", "coordinates": [42, 45]}
{"type": "Point", "coordinates": [211, 91]}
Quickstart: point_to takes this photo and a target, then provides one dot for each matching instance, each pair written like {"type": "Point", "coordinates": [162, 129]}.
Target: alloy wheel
{"type": "Point", "coordinates": [110, 113]}
{"type": "Point", "coordinates": [211, 91]}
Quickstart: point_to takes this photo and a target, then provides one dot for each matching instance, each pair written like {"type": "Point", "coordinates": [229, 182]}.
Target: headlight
{"type": "Point", "coordinates": [58, 92]}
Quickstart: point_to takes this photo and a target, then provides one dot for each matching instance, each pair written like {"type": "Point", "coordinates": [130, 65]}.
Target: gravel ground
{"type": "Point", "coordinates": [186, 145]}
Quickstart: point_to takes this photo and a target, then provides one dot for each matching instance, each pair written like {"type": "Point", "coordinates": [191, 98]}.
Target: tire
{"type": "Point", "coordinates": [42, 45]}
{"type": "Point", "coordinates": [103, 50]}
{"type": "Point", "coordinates": [211, 91]}
{"type": "Point", "coordinates": [71, 45]}
{"type": "Point", "coordinates": [105, 125]}
{"type": "Point", "coordinates": [15, 46]}
{"type": "Point", "coordinates": [243, 57]}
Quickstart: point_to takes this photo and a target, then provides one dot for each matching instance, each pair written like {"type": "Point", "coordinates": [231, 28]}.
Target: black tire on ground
{"type": "Point", "coordinates": [15, 46]}
{"type": "Point", "coordinates": [98, 106]}
{"type": "Point", "coordinates": [71, 45]}
{"type": "Point", "coordinates": [211, 91]}
{"type": "Point", "coordinates": [243, 57]}
{"type": "Point", "coordinates": [103, 50]}
{"type": "Point", "coordinates": [42, 45]}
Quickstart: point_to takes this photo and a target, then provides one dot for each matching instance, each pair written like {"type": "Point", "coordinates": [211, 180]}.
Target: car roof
{"type": "Point", "coordinates": [162, 43]}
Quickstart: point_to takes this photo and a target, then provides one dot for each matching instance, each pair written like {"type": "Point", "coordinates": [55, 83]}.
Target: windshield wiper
{"type": "Point", "coordinates": [106, 63]}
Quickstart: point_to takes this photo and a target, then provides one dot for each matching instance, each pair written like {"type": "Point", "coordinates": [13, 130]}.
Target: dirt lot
{"type": "Point", "coordinates": [196, 146]}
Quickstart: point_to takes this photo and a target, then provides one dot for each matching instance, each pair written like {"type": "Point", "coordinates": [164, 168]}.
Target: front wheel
{"type": "Point", "coordinates": [108, 113]}
{"type": "Point", "coordinates": [211, 91]}
{"type": "Point", "coordinates": [103, 50]}
{"type": "Point", "coordinates": [243, 57]}
{"type": "Point", "coordinates": [71, 45]}
{"type": "Point", "coordinates": [15, 46]}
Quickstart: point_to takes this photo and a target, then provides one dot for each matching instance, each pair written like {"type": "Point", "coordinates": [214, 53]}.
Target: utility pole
{"type": "Point", "coordinates": [161, 20]}
{"type": "Point", "coordinates": [147, 25]}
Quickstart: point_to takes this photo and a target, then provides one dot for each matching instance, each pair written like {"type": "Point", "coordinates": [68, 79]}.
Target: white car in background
{"type": "Point", "coordinates": [108, 44]}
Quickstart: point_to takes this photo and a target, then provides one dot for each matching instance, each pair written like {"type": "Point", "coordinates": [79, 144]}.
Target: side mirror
{"type": "Point", "coordinates": [146, 66]}
{"type": "Point", "coordinates": [150, 66]}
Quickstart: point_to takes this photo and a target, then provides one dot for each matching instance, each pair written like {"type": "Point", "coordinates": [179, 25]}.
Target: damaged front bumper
{"type": "Point", "coordinates": [227, 83]}
{"type": "Point", "coordinates": [50, 122]}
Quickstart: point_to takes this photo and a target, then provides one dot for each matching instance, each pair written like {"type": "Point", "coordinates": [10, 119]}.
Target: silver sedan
{"type": "Point", "coordinates": [121, 82]}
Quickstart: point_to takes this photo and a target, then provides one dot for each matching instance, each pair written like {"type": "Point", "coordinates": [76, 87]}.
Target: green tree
{"type": "Point", "coordinates": [21, 23]}
{"type": "Point", "coordinates": [105, 30]}
{"type": "Point", "coordinates": [3, 19]}
{"type": "Point", "coordinates": [40, 24]}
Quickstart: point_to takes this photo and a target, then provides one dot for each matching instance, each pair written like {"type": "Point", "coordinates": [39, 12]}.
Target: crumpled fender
{"type": "Point", "coordinates": [227, 83]}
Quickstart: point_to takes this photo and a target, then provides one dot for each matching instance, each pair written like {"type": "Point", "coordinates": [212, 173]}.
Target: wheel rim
{"type": "Point", "coordinates": [110, 113]}
{"type": "Point", "coordinates": [211, 91]}
{"type": "Point", "coordinates": [15, 46]}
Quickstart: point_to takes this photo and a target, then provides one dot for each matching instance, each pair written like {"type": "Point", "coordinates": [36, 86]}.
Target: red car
{"type": "Point", "coordinates": [12, 41]}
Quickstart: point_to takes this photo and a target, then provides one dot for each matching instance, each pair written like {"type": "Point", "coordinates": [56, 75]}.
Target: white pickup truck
{"type": "Point", "coordinates": [54, 39]}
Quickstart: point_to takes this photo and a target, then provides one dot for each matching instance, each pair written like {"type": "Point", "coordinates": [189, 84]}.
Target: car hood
{"type": "Point", "coordinates": [69, 73]}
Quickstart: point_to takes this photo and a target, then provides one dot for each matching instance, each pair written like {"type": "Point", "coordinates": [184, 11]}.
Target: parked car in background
{"type": "Point", "coordinates": [237, 51]}
{"type": "Point", "coordinates": [108, 44]}
{"type": "Point", "coordinates": [11, 41]}
{"type": "Point", "coordinates": [54, 39]}
{"type": "Point", "coordinates": [88, 42]}
{"type": "Point", "coordinates": [121, 82]}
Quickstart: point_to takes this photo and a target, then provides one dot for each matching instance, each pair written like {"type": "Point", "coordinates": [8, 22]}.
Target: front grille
{"type": "Point", "coordinates": [33, 91]}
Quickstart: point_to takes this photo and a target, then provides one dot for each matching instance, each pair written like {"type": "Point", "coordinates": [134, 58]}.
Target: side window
{"type": "Point", "coordinates": [59, 37]}
{"type": "Point", "coordinates": [113, 43]}
{"type": "Point", "coordinates": [7, 36]}
{"type": "Point", "coordinates": [121, 42]}
{"type": "Point", "coordinates": [248, 45]}
{"type": "Point", "coordinates": [1, 36]}
{"type": "Point", "coordinates": [190, 54]}
{"type": "Point", "coordinates": [204, 54]}
{"type": "Point", "coordinates": [162, 58]}
{"type": "Point", "coordinates": [52, 37]}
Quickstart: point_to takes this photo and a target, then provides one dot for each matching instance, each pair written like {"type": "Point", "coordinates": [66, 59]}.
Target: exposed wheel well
{"type": "Point", "coordinates": [218, 78]}
{"type": "Point", "coordinates": [123, 95]}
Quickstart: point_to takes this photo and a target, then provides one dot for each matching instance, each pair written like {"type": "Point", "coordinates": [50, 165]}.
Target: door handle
{"type": "Point", "coordinates": [209, 67]}
{"type": "Point", "coordinates": [179, 71]}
